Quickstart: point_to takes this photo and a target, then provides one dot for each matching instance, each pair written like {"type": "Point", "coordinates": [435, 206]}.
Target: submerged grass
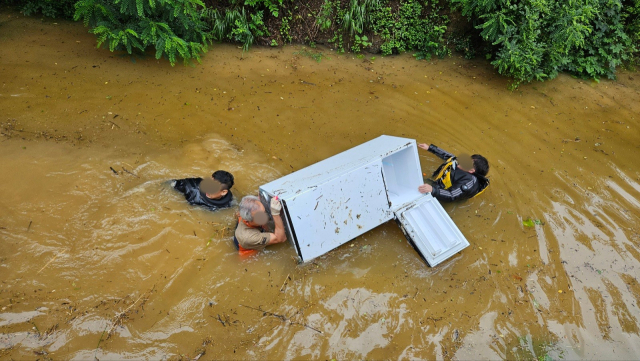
{"type": "Point", "coordinates": [315, 55]}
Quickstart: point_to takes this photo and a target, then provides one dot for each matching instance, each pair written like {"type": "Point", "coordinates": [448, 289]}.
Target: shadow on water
{"type": "Point", "coordinates": [99, 257]}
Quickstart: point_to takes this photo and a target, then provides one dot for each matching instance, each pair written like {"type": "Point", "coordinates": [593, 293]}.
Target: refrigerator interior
{"type": "Point", "coordinates": [402, 176]}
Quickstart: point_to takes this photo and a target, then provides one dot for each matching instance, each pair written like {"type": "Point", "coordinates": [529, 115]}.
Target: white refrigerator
{"type": "Point", "coordinates": [340, 198]}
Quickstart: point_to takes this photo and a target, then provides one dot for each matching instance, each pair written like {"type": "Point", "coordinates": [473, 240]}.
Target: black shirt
{"type": "Point", "coordinates": [190, 187]}
{"type": "Point", "coordinates": [464, 185]}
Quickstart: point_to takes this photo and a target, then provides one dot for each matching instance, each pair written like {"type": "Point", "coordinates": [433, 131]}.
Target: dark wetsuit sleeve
{"type": "Point", "coordinates": [188, 187]}
{"type": "Point", "coordinates": [446, 195]}
{"type": "Point", "coordinates": [180, 185]}
{"type": "Point", "coordinates": [441, 153]}
{"type": "Point", "coordinates": [455, 192]}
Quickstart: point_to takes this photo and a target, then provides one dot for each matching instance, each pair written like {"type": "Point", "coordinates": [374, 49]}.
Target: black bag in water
{"type": "Point", "coordinates": [190, 187]}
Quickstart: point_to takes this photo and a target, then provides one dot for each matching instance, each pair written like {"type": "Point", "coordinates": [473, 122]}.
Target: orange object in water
{"type": "Point", "coordinates": [246, 252]}
{"type": "Point", "coordinates": [243, 251]}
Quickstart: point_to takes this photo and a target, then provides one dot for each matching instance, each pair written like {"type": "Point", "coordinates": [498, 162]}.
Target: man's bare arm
{"type": "Point", "coordinates": [278, 236]}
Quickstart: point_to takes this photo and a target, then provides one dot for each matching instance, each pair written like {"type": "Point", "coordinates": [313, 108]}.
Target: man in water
{"type": "Point", "coordinates": [213, 193]}
{"type": "Point", "coordinates": [250, 236]}
{"type": "Point", "coordinates": [456, 179]}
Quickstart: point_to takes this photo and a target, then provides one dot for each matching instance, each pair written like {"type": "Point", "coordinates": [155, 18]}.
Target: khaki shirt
{"type": "Point", "coordinates": [252, 238]}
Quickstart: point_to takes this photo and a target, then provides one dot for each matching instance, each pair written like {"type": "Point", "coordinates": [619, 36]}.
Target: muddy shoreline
{"type": "Point", "coordinates": [98, 264]}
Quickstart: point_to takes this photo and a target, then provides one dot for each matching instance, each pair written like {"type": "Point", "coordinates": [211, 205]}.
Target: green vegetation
{"type": "Point", "coordinates": [535, 40]}
{"type": "Point", "coordinates": [50, 8]}
{"type": "Point", "coordinates": [315, 55]}
{"type": "Point", "coordinates": [631, 19]}
{"type": "Point", "coordinates": [413, 27]}
{"type": "Point", "coordinates": [175, 28]}
{"type": "Point", "coordinates": [235, 25]}
{"type": "Point", "coordinates": [272, 5]}
{"type": "Point", "coordinates": [346, 20]}
{"type": "Point", "coordinates": [463, 43]}
{"type": "Point", "coordinates": [525, 40]}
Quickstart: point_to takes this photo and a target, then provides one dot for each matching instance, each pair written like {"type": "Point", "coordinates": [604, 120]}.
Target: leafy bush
{"type": "Point", "coordinates": [527, 40]}
{"type": "Point", "coordinates": [174, 27]}
{"type": "Point", "coordinates": [536, 39]}
{"type": "Point", "coordinates": [349, 21]}
{"type": "Point", "coordinates": [412, 27]}
{"type": "Point", "coordinates": [631, 18]}
{"type": "Point", "coordinates": [50, 8]}
{"type": "Point", "coordinates": [272, 5]}
{"type": "Point", "coordinates": [285, 27]}
{"type": "Point", "coordinates": [359, 43]}
{"type": "Point", "coordinates": [236, 25]}
{"type": "Point", "coordinates": [357, 17]}
{"type": "Point", "coordinates": [463, 43]}
{"type": "Point", "coordinates": [325, 15]}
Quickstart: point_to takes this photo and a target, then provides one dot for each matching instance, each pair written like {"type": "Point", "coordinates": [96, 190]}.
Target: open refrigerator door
{"type": "Point", "coordinates": [430, 230]}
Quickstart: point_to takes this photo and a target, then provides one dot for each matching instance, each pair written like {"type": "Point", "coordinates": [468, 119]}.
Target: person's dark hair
{"type": "Point", "coordinates": [224, 177]}
{"type": "Point", "coordinates": [480, 164]}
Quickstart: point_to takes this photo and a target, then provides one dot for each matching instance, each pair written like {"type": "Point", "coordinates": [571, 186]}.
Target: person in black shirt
{"type": "Point", "coordinates": [454, 182]}
{"type": "Point", "coordinates": [213, 193]}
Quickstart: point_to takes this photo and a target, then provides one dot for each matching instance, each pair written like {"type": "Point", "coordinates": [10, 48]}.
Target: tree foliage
{"type": "Point", "coordinates": [175, 28]}
{"type": "Point", "coordinates": [272, 5]}
{"type": "Point", "coordinates": [537, 39]}
{"type": "Point", "coordinates": [50, 8]}
{"type": "Point", "coordinates": [525, 39]}
{"type": "Point", "coordinates": [417, 25]}
{"type": "Point", "coordinates": [631, 18]}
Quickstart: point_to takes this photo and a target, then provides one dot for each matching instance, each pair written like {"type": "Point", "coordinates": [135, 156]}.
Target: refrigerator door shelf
{"type": "Point", "coordinates": [430, 230]}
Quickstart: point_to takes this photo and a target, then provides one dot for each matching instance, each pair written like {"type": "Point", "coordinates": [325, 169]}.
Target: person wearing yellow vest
{"type": "Point", "coordinates": [251, 235]}
{"type": "Point", "coordinates": [455, 180]}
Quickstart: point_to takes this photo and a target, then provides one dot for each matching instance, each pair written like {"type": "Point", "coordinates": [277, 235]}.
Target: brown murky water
{"type": "Point", "coordinates": [87, 253]}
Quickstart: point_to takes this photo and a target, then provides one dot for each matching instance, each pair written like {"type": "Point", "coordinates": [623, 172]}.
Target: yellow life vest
{"type": "Point", "coordinates": [442, 175]}
{"type": "Point", "coordinates": [484, 184]}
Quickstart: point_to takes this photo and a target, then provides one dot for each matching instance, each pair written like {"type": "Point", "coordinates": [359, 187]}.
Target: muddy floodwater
{"type": "Point", "coordinates": [100, 258]}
